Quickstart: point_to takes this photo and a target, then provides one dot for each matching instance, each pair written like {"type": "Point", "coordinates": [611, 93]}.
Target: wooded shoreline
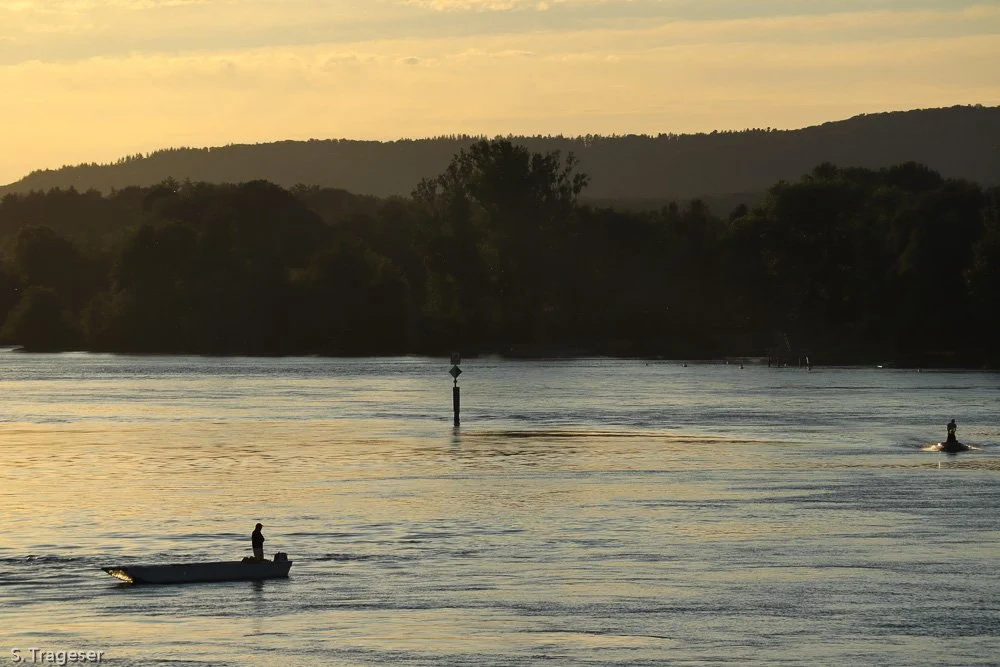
{"type": "Point", "coordinates": [498, 255]}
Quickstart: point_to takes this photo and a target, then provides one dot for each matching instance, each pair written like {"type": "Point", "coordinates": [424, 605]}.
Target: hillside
{"type": "Point", "coordinates": [959, 142]}
{"type": "Point", "coordinates": [498, 255]}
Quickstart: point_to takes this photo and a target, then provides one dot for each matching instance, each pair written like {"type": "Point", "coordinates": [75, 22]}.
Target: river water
{"type": "Point", "coordinates": [586, 512]}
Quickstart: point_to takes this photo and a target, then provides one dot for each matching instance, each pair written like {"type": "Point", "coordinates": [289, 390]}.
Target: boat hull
{"type": "Point", "coordinates": [186, 573]}
{"type": "Point", "coordinates": [948, 447]}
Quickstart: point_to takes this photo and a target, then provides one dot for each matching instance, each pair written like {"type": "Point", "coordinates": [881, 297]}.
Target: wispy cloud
{"type": "Point", "coordinates": [478, 5]}
{"type": "Point", "coordinates": [81, 29]}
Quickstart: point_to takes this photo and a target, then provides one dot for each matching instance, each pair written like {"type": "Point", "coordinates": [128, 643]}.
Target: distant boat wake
{"type": "Point", "coordinates": [949, 447]}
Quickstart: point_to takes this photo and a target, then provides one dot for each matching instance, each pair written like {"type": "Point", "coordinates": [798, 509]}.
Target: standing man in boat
{"type": "Point", "coordinates": [952, 427]}
{"type": "Point", "coordinates": [257, 540]}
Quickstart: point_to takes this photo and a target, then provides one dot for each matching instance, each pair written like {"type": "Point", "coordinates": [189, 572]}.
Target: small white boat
{"type": "Point", "coordinates": [185, 573]}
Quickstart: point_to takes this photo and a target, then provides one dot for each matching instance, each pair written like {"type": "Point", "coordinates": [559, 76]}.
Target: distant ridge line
{"type": "Point", "coordinates": [958, 142]}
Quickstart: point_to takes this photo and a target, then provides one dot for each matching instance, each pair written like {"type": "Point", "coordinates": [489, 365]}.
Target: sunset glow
{"type": "Point", "coordinates": [92, 80]}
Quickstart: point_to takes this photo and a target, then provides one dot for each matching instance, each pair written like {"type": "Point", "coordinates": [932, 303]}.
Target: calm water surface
{"type": "Point", "coordinates": [587, 512]}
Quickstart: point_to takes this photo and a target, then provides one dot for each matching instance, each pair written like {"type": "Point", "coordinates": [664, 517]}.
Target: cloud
{"type": "Point", "coordinates": [480, 5]}
{"type": "Point", "coordinates": [305, 75]}
{"type": "Point", "coordinates": [81, 29]}
{"type": "Point", "coordinates": [641, 63]}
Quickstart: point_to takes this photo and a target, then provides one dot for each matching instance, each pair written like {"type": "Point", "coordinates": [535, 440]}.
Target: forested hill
{"type": "Point", "coordinates": [958, 142]}
{"type": "Point", "coordinates": [497, 254]}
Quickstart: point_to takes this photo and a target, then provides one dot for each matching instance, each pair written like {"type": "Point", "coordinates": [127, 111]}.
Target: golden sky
{"type": "Point", "coordinates": [93, 80]}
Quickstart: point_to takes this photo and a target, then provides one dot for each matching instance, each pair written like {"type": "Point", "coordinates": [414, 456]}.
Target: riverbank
{"type": "Point", "coordinates": [939, 361]}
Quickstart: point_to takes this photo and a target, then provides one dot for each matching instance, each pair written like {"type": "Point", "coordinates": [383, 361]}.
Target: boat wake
{"type": "Point", "coordinates": [583, 433]}
{"type": "Point", "coordinates": [948, 448]}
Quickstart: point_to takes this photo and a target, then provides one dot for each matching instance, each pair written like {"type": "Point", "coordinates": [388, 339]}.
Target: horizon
{"type": "Point", "coordinates": [151, 153]}
{"type": "Point", "coordinates": [96, 80]}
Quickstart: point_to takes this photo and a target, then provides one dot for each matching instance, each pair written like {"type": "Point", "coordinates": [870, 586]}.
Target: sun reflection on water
{"type": "Point", "coordinates": [711, 517]}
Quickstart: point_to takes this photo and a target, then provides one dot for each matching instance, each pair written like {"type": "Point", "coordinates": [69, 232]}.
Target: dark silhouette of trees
{"type": "Point", "coordinates": [40, 322]}
{"type": "Point", "coordinates": [497, 218]}
{"type": "Point", "coordinates": [10, 290]}
{"type": "Point", "coordinates": [867, 261]}
{"type": "Point", "coordinates": [983, 278]}
{"type": "Point", "coordinates": [625, 170]}
{"type": "Point", "coordinates": [499, 253]}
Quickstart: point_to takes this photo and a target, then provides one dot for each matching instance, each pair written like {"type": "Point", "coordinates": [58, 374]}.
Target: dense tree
{"type": "Point", "coordinates": [498, 254]}
{"type": "Point", "coordinates": [983, 277]}
{"type": "Point", "coordinates": [40, 322]}
{"type": "Point", "coordinates": [500, 216]}
{"type": "Point", "coordinates": [10, 290]}
{"type": "Point", "coordinates": [958, 142]}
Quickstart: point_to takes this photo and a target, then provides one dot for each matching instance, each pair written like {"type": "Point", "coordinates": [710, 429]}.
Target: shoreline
{"type": "Point", "coordinates": [574, 355]}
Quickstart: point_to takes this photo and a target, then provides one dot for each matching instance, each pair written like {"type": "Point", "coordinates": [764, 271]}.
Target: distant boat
{"type": "Point", "coordinates": [186, 573]}
{"type": "Point", "coordinates": [950, 447]}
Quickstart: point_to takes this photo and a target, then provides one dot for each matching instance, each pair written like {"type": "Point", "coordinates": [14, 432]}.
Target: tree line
{"type": "Point", "coordinates": [958, 141]}
{"type": "Point", "coordinates": [497, 254]}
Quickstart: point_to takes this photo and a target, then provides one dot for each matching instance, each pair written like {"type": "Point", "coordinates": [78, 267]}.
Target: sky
{"type": "Point", "coordinates": [94, 80]}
